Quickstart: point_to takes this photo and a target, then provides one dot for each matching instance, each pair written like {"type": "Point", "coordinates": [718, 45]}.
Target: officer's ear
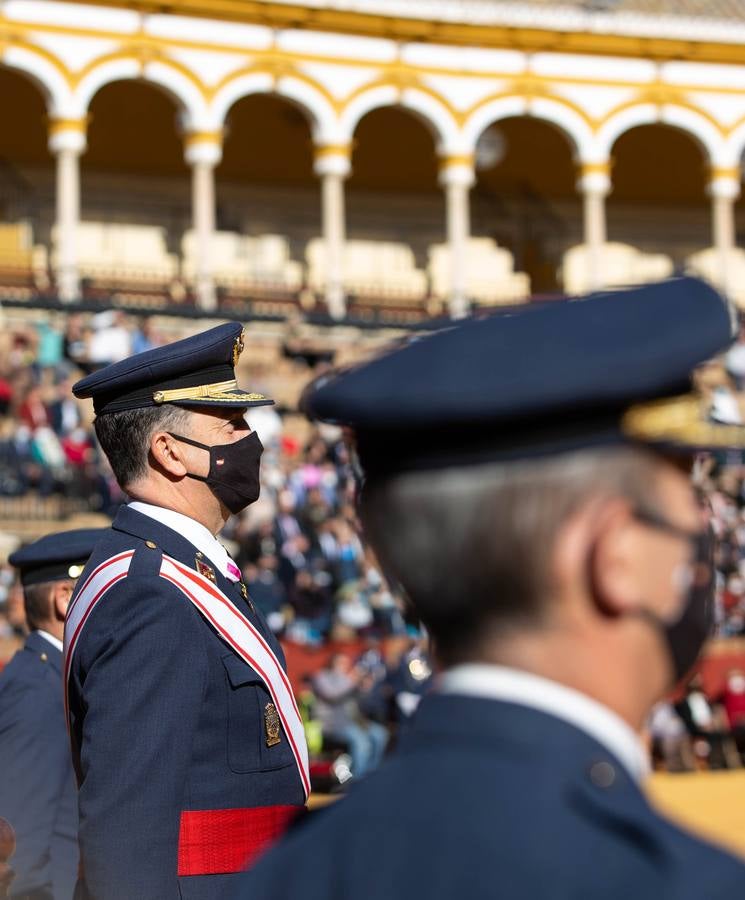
{"type": "Point", "coordinates": [168, 454]}
{"type": "Point", "coordinates": [613, 560]}
{"type": "Point", "coordinates": [61, 593]}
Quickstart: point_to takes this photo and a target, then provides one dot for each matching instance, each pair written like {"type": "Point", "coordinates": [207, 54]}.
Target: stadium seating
{"type": "Point", "coordinates": [381, 269]}
{"type": "Point", "coordinates": [241, 262]}
{"type": "Point", "coordinates": [22, 263]}
{"type": "Point", "coordinates": [112, 252]}
{"type": "Point", "coordinates": [621, 264]}
{"type": "Point", "coordinates": [491, 276]}
{"type": "Point", "coordinates": [707, 263]}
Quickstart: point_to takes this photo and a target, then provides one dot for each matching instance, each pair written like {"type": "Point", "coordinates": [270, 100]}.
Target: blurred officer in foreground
{"type": "Point", "coordinates": [187, 742]}
{"type": "Point", "coordinates": [524, 483]}
{"type": "Point", "coordinates": [37, 785]}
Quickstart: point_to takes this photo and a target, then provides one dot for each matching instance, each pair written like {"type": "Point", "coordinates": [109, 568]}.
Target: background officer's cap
{"type": "Point", "coordinates": [198, 371]}
{"type": "Point", "coordinates": [56, 557]}
{"type": "Point", "coordinates": [612, 367]}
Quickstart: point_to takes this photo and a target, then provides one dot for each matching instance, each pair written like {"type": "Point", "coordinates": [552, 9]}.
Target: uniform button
{"type": "Point", "coordinates": [151, 544]}
{"type": "Point", "coordinates": [602, 774]}
{"type": "Point", "coordinates": [44, 657]}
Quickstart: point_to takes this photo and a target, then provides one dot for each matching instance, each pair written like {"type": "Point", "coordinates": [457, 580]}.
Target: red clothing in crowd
{"type": "Point", "coordinates": [733, 700]}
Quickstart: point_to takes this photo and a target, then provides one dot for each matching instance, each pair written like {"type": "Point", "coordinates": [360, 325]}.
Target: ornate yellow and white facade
{"type": "Point", "coordinates": [429, 151]}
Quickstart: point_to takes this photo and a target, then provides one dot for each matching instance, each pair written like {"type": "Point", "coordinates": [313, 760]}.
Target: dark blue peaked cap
{"type": "Point", "coordinates": [198, 371]}
{"type": "Point", "coordinates": [606, 368]}
{"type": "Point", "coordinates": [56, 557]}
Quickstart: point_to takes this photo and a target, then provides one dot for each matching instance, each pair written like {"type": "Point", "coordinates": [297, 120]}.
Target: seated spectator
{"type": "Point", "coordinates": [670, 740]}
{"type": "Point", "coordinates": [336, 688]}
{"type": "Point", "coordinates": [707, 725]}
{"type": "Point", "coordinates": [267, 592]}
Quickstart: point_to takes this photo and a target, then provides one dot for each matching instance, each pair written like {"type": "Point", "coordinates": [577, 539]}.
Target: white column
{"type": "Point", "coordinates": [203, 151]}
{"type": "Point", "coordinates": [332, 165]}
{"type": "Point", "coordinates": [67, 141]}
{"type": "Point", "coordinates": [594, 184]}
{"type": "Point", "coordinates": [457, 177]}
{"type": "Point", "coordinates": [724, 189]}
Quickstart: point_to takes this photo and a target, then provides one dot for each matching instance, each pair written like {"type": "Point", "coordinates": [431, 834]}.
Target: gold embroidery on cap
{"type": "Point", "coordinates": [271, 725]}
{"type": "Point", "coordinates": [238, 348]}
{"type": "Point", "coordinates": [683, 420]}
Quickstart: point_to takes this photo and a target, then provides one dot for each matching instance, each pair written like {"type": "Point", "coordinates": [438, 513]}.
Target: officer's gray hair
{"type": "Point", "coordinates": [125, 437]}
{"type": "Point", "coordinates": [472, 546]}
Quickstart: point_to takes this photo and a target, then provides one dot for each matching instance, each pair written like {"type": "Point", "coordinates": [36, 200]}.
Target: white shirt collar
{"type": "Point", "coordinates": [194, 532]}
{"type": "Point", "coordinates": [526, 689]}
{"type": "Point", "coordinates": [55, 642]}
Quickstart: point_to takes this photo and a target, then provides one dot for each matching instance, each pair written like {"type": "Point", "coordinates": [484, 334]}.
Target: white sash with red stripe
{"type": "Point", "coordinates": [95, 587]}
{"type": "Point", "coordinates": [232, 626]}
{"type": "Point", "coordinates": [238, 632]}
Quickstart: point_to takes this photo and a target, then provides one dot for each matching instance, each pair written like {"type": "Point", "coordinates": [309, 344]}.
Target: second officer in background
{"type": "Point", "coordinates": [37, 784]}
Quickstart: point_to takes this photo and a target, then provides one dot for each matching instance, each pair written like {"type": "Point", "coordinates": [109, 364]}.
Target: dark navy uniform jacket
{"type": "Point", "coordinates": [37, 784]}
{"type": "Point", "coordinates": [487, 799]}
{"type": "Point", "coordinates": [165, 719]}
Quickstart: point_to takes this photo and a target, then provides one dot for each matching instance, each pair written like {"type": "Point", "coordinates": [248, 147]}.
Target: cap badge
{"type": "Point", "coordinates": [271, 725]}
{"type": "Point", "coordinates": [237, 348]}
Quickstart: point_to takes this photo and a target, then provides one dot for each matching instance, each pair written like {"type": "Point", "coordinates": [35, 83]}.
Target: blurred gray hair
{"type": "Point", "coordinates": [472, 546]}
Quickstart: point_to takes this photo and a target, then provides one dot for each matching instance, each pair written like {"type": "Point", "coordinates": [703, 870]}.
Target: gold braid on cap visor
{"type": "Point", "coordinates": [220, 391]}
{"type": "Point", "coordinates": [681, 420]}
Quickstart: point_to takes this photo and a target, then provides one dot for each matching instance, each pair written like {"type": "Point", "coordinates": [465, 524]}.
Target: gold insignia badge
{"type": "Point", "coordinates": [237, 348]}
{"type": "Point", "coordinates": [205, 570]}
{"type": "Point", "coordinates": [271, 725]}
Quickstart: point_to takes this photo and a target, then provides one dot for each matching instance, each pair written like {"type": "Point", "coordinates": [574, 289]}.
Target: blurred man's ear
{"type": "Point", "coordinates": [613, 561]}
{"type": "Point", "coordinates": [594, 553]}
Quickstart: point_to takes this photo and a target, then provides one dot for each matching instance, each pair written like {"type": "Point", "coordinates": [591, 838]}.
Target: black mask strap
{"type": "Point", "coordinates": [186, 440]}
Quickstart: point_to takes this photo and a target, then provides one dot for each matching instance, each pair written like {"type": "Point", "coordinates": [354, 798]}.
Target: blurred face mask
{"type": "Point", "coordinates": [686, 635]}
{"type": "Point", "coordinates": [234, 470]}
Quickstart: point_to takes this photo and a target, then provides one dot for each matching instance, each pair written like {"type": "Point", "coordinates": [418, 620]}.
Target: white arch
{"type": "Point", "coordinates": [687, 120]}
{"type": "Point", "coordinates": [182, 90]}
{"type": "Point", "coordinates": [309, 99]}
{"type": "Point", "coordinates": [557, 113]}
{"type": "Point", "coordinates": [45, 75]}
{"type": "Point", "coordinates": [113, 70]}
{"type": "Point", "coordinates": [433, 113]}
{"type": "Point", "coordinates": [732, 149]}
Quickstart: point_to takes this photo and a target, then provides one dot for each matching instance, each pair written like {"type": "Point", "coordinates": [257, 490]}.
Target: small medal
{"type": "Point", "coordinates": [271, 725]}
{"type": "Point", "coordinates": [207, 571]}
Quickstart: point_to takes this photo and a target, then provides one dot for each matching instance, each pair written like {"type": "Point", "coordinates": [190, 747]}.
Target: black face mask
{"type": "Point", "coordinates": [234, 470]}
{"type": "Point", "coordinates": [686, 636]}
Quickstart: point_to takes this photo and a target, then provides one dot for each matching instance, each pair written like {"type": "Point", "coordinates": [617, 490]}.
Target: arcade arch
{"type": "Point", "coordinates": [658, 201]}
{"type": "Point", "coordinates": [526, 206]}
{"type": "Point", "coordinates": [26, 184]}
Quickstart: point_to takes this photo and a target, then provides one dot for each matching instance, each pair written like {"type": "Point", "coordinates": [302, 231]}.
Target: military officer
{"type": "Point", "coordinates": [187, 743]}
{"type": "Point", "coordinates": [527, 481]}
{"type": "Point", "coordinates": [37, 784]}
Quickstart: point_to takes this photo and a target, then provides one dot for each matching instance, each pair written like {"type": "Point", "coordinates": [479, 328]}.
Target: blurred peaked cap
{"type": "Point", "coordinates": [198, 371]}
{"type": "Point", "coordinates": [56, 557]}
{"type": "Point", "coordinates": [605, 368]}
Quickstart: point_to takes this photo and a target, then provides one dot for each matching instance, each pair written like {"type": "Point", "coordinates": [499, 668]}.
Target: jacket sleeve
{"type": "Point", "coordinates": [35, 766]}
{"type": "Point", "coordinates": [142, 691]}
